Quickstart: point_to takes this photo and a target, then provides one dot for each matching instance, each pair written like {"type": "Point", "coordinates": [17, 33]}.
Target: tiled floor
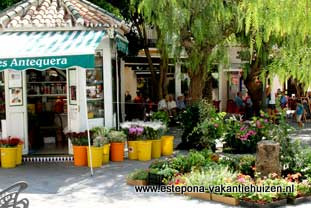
{"type": "Point", "coordinates": [52, 149]}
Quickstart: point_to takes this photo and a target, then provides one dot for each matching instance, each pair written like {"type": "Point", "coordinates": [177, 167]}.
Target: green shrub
{"type": "Point", "coordinates": [139, 174]}
{"type": "Point", "coordinates": [189, 120]}
{"type": "Point", "coordinates": [161, 116]}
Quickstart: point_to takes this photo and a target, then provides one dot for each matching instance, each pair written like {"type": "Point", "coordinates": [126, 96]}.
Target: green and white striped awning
{"type": "Point", "coordinates": [42, 50]}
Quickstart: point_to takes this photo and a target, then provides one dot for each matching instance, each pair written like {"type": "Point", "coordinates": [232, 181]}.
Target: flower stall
{"type": "Point", "coordinates": [57, 67]}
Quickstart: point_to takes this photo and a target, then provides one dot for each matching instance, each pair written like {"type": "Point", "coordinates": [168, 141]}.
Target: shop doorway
{"type": "Point", "coordinates": [47, 111]}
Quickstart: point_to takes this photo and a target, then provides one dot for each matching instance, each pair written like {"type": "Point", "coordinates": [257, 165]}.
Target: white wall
{"type": "Point", "coordinates": [107, 70]}
{"type": "Point", "coordinates": [130, 81]}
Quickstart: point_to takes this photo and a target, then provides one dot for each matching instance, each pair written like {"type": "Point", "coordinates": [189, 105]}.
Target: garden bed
{"type": "Point", "coordinates": [225, 199]}
{"type": "Point", "coordinates": [155, 179]}
{"type": "Point", "coordinates": [273, 204]}
{"type": "Point", "coordinates": [136, 182]}
{"type": "Point", "coordinates": [298, 200]}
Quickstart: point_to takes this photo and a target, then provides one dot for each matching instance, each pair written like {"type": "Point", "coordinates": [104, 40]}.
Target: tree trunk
{"type": "Point", "coordinates": [208, 87]}
{"type": "Point", "coordinates": [163, 79]}
{"type": "Point", "coordinates": [143, 35]}
{"type": "Point", "coordinates": [197, 84]}
{"type": "Point", "coordinates": [162, 86]}
{"type": "Point", "coordinates": [255, 88]}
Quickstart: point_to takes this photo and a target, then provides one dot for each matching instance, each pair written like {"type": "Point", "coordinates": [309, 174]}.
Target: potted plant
{"type": "Point", "coordinates": [103, 132]}
{"type": "Point", "coordinates": [117, 139]}
{"type": "Point", "coordinates": [153, 132]}
{"type": "Point", "coordinates": [144, 149]}
{"type": "Point", "coordinates": [80, 143]}
{"type": "Point", "coordinates": [19, 151]}
{"type": "Point", "coordinates": [134, 135]}
{"type": "Point", "coordinates": [96, 151]}
{"type": "Point", "coordinates": [8, 149]}
{"type": "Point", "coordinates": [137, 178]}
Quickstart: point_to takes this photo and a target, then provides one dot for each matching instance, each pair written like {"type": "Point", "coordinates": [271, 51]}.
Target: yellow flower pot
{"type": "Point", "coordinates": [144, 150]}
{"type": "Point", "coordinates": [19, 154]}
{"type": "Point", "coordinates": [8, 157]}
{"type": "Point", "coordinates": [97, 157]}
{"type": "Point", "coordinates": [132, 150]}
{"type": "Point", "coordinates": [156, 148]}
{"type": "Point", "coordinates": [167, 145]}
{"type": "Point", "coordinates": [106, 152]}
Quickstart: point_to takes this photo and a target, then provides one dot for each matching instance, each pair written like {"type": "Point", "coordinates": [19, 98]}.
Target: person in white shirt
{"type": "Point", "coordinates": [171, 105]}
{"type": "Point", "coordinates": [163, 104]}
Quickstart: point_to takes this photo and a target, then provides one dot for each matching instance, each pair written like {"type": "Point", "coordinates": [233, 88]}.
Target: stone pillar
{"type": "Point", "coordinates": [268, 158]}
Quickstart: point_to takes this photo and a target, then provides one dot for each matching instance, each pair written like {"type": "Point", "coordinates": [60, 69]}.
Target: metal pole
{"type": "Point", "coordinates": [88, 129]}
{"type": "Point", "coordinates": [118, 94]}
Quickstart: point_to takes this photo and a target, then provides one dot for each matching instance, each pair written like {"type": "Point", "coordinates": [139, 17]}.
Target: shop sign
{"type": "Point", "coordinates": [42, 63]}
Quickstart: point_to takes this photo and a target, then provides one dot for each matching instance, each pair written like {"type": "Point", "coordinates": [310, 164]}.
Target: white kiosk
{"type": "Point", "coordinates": [85, 59]}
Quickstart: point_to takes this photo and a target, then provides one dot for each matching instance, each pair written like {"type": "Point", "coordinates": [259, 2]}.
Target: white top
{"type": "Point", "coordinates": [162, 104]}
{"type": "Point", "coordinates": [272, 98]}
{"type": "Point", "coordinates": [171, 105]}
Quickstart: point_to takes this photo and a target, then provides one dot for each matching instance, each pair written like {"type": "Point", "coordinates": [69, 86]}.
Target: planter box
{"type": "Point", "coordinates": [203, 196]}
{"type": "Point", "coordinates": [298, 200]}
{"type": "Point", "coordinates": [136, 182]}
{"type": "Point", "coordinates": [225, 199]}
{"type": "Point", "coordinates": [273, 204]}
{"type": "Point", "coordinates": [155, 179]}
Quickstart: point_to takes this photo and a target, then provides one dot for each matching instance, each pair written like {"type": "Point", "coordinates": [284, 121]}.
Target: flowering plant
{"type": "Point", "coordinates": [242, 136]}
{"type": "Point", "coordinates": [147, 130]}
{"type": "Point", "coordinates": [78, 139]}
{"type": "Point", "coordinates": [100, 141]}
{"type": "Point", "coordinates": [135, 133]}
{"type": "Point", "coordinates": [117, 136]}
{"type": "Point", "coordinates": [99, 131]}
{"type": "Point", "coordinates": [10, 142]}
{"type": "Point", "coordinates": [178, 180]}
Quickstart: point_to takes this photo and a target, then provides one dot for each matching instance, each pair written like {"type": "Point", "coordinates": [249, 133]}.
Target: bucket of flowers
{"type": "Point", "coordinates": [8, 149]}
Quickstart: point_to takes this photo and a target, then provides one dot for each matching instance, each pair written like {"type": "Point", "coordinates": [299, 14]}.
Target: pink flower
{"type": "Point", "coordinates": [241, 180]}
{"type": "Point", "coordinates": [216, 125]}
{"type": "Point", "coordinates": [258, 124]}
{"type": "Point", "coordinates": [251, 133]}
{"type": "Point", "coordinates": [139, 131]}
{"type": "Point", "coordinates": [132, 130]}
{"type": "Point", "coordinates": [243, 138]}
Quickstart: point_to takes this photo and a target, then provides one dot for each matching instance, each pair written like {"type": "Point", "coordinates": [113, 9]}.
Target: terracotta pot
{"type": "Point", "coordinates": [80, 155]}
{"type": "Point", "coordinates": [117, 152]}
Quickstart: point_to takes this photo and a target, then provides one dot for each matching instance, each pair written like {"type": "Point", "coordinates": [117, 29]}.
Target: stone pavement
{"type": "Point", "coordinates": [303, 134]}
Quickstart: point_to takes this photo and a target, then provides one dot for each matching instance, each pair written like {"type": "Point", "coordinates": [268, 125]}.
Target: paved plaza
{"type": "Point", "coordinates": [62, 185]}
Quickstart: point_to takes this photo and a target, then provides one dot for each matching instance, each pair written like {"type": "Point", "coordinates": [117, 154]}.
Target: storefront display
{"type": "Point", "coordinates": [95, 93]}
